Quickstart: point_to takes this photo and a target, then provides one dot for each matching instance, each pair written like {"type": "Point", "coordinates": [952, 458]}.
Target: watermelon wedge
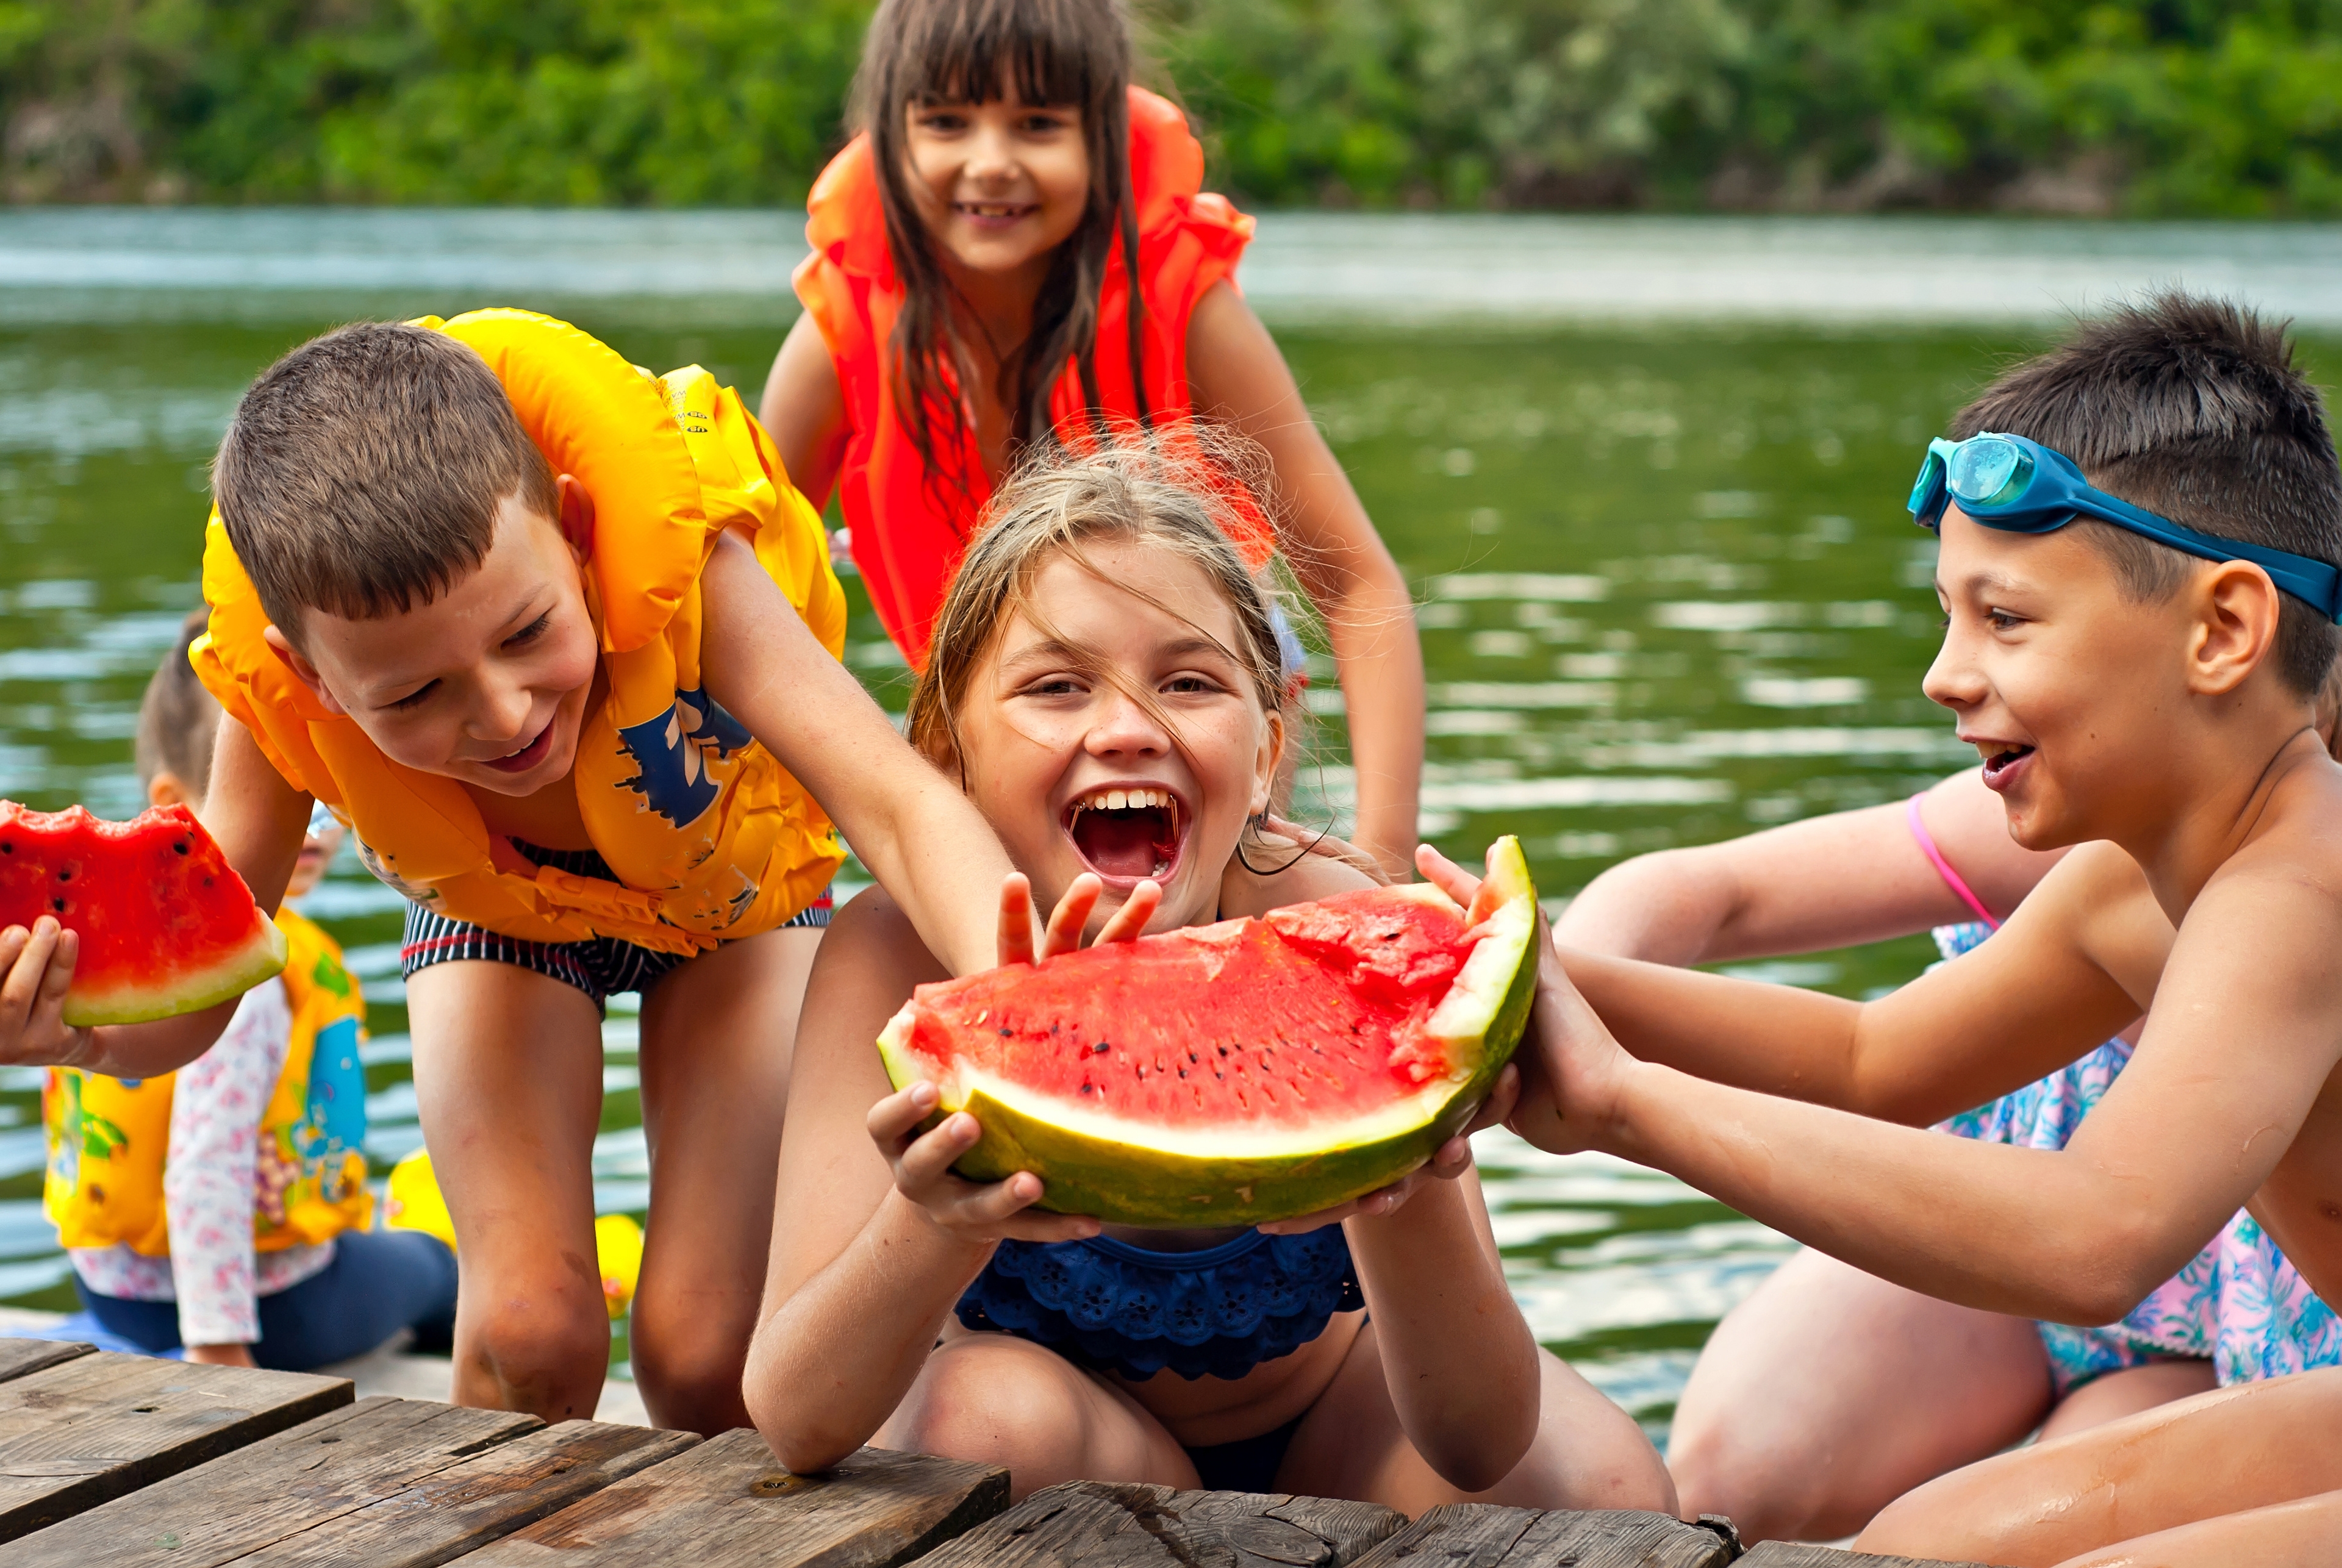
{"type": "Point", "coordinates": [1226, 1075]}
{"type": "Point", "coordinates": [166, 924]}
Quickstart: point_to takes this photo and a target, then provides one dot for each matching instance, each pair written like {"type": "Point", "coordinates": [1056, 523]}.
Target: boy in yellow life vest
{"type": "Point", "coordinates": [558, 640]}
{"type": "Point", "coordinates": [224, 1207]}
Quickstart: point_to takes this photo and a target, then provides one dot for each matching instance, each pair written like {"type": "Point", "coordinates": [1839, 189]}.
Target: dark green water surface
{"type": "Point", "coordinates": [1668, 594]}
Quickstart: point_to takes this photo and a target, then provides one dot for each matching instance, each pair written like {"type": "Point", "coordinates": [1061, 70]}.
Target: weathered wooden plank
{"type": "Point", "coordinates": [85, 1431]}
{"type": "Point", "coordinates": [1477, 1536]}
{"type": "Point", "coordinates": [20, 1356]}
{"type": "Point", "coordinates": [1102, 1524]}
{"type": "Point", "coordinates": [389, 1482]}
{"type": "Point", "coordinates": [728, 1501]}
{"type": "Point", "coordinates": [1794, 1554]}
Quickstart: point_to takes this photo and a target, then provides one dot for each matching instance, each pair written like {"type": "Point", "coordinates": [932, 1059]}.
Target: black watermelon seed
{"type": "Point", "coordinates": [1008, 1033]}
{"type": "Point", "coordinates": [59, 904]}
{"type": "Point", "coordinates": [65, 874]}
{"type": "Point", "coordinates": [1099, 1049]}
{"type": "Point", "coordinates": [6, 848]}
{"type": "Point", "coordinates": [181, 847]}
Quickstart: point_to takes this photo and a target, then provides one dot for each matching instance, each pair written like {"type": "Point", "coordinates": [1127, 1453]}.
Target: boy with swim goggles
{"type": "Point", "coordinates": [2020, 486]}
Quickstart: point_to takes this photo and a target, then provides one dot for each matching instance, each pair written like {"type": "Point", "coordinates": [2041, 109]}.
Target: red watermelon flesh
{"type": "Point", "coordinates": [1249, 1070]}
{"type": "Point", "coordinates": [166, 924]}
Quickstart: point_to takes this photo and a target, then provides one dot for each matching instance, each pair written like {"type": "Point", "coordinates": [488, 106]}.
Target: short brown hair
{"type": "Point", "coordinates": [363, 471]}
{"type": "Point", "coordinates": [177, 720]}
{"type": "Point", "coordinates": [2192, 408]}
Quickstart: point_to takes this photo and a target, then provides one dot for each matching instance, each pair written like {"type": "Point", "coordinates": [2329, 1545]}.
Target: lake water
{"type": "Point", "coordinates": [1646, 474]}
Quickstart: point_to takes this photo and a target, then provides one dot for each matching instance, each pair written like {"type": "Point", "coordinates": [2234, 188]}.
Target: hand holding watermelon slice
{"type": "Point", "coordinates": [118, 923]}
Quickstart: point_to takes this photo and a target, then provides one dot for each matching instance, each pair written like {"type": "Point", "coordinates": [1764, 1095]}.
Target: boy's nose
{"type": "Point", "coordinates": [1952, 680]}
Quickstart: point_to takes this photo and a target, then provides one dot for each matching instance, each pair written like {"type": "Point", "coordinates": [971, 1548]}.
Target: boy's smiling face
{"type": "Point", "coordinates": [489, 682]}
{"type": "Point", "coordinates": [2068, 688]}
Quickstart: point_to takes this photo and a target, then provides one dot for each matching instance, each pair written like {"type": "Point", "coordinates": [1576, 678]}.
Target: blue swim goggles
{"type": "Point", "coordinates": [2021, 486]}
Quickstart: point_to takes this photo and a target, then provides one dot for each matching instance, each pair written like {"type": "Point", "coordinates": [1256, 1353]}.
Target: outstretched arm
{"type": "Point", "coordinates": [2076, 1236]}
{"type": "Point", "coordinates": [918, 834]}
{"type": "Point", "coordinates": [1239, 376]}
{"type": "Point", "coordinates": [1786, 889]}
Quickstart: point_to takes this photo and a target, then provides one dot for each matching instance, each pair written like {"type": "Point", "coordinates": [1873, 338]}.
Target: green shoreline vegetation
{"type": "Point", "coordinates": [2147, 108]}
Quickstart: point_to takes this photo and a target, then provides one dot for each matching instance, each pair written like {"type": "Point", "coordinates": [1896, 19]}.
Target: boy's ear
{"type": "Point", "coordinates": [577, 516]}
{"type": "Point", "coordinates": [164, 789]}
{"type": "Point", "coordinates": [303, 670]}
{"type": "Point", "coordinates": [2237, 609]}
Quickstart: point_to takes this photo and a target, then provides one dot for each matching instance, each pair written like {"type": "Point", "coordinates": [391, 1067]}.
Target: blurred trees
{"type": "Point", "coordinates": [2145, 107]}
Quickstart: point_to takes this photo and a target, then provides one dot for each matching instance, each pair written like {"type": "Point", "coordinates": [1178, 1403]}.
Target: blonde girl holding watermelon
{"type": "Point", "coordinates": [1016, 251]}
{"type": "Point", "coordinates": [1104, 683]}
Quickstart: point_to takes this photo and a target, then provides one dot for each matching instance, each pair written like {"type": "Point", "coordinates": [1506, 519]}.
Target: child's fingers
{"type": "Point", "coordinates": [1131, 919]}
{"type": "Point", "coordinates": [928, 1161]}
{"type": "Point", "coordinates": [1015, 939]}
{"type": "Point", "coordinates": [890, 1121]}
{"type": "Point", "coordinates": [20, 988]}
{"type": "Point", "coordinates": [59, 979]}
{"type": "Point", "coordinates": [1445, 875]}
{"type": "Point", "coordinates": [1073, 913]}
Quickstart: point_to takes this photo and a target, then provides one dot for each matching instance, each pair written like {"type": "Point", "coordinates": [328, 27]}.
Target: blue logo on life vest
{"type": "Point", "coordinates": [334, 1119]}
{"type": "Point", "coordinates": [672, 751]}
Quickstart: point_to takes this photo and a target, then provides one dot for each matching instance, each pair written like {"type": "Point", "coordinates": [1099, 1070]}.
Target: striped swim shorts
{"type": "Point", "coordinates": [601, 968]}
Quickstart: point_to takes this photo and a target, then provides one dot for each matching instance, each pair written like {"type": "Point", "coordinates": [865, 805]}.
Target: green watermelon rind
{"type": "Point", "coordinates": [185, 990]}
{"type": "Point", "coordinates": [1125, 1180]}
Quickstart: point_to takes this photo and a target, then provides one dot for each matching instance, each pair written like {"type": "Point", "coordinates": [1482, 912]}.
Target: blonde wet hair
{"type": "Point", "coordinates": [1168, 492]}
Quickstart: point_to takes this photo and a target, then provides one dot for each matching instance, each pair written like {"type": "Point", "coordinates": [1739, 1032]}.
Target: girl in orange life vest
{"type": "Point", "coordinates": [972, 290]}
{"type": "Point", "coordinates": [183, 1227]}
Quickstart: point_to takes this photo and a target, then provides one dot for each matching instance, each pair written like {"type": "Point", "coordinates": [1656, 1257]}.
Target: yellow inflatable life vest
{"type": "Point", "coordinates": [709, 836]}
{"type": "Point", "coordinates": [108, 1137]}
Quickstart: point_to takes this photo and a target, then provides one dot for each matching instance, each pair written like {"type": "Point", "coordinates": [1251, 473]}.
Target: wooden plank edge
{"type": "Point", "coordinates": [38, 1356]}
{"type": "Point", "coordinates": [330, 1394]}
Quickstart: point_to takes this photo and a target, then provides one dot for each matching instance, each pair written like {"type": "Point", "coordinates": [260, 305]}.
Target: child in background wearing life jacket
{"type": "Point", "coordinates": [558, 641]}
{"type": "Point", "coordinates": [1014, 250]}
{"type": "Point", "coordinates": [1103, 632]}
{"type": "Point", "coordinates": [224, 1207]}
{"type": "Point", "coordinates": [2155, 709]}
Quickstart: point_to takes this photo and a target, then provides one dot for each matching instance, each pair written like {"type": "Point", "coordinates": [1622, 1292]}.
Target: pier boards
{"type": "Point", "coordinates": [108, 1460]}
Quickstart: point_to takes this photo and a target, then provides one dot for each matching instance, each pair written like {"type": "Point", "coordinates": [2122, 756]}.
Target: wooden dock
{"type": "Point", "coordinates": [109, 1459]}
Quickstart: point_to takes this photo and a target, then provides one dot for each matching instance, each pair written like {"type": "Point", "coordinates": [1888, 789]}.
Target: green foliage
{"type": "Point", "coordinates": [2143, 106]}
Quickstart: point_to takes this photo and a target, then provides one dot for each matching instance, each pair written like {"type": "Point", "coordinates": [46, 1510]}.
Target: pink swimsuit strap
{"type": "Point", "coordinates": [1943, 867]}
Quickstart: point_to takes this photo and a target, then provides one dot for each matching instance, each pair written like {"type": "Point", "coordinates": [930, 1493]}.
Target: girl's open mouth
{"type": "Point", "coordinates": [1127, 835]}
{"type": "Point", "coordinates": [2001, 766]}
{"type": "Point", "coordinates": [529, 756]}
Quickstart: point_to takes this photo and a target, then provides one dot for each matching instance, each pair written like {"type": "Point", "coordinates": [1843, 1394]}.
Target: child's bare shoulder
{"type": "Point", "coordinates": [872, 943]}
{"type": "Point", "coordinates": [1293, 869]}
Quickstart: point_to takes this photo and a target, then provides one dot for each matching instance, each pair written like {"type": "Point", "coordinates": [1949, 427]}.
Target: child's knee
{"type": "Point", "coordinates": [993, 1402]}
{"type": "Point", "coordinates": [682, 1361]}
{"type": "Point", "coordinates": [532, 1339]}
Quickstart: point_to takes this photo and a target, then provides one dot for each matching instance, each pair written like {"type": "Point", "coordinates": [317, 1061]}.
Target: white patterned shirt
{"type": "Point", "coordinates": [208, 1190]}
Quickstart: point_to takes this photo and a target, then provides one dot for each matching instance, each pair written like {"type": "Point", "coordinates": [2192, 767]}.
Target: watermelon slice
{"type": "Point", "coordinates": [166, 924]}
{"type": "Point", "coordinates": [1226, 1075]}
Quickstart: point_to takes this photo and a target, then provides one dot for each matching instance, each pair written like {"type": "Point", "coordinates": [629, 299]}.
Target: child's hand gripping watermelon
{"type": "Point", "coordinates": [117, 923]}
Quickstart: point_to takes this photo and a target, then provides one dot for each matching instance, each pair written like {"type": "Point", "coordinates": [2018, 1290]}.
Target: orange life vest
{"type": "Point", "coordinates": [710, 837]}
{"type": "Point", "coordinates": [908, 531]}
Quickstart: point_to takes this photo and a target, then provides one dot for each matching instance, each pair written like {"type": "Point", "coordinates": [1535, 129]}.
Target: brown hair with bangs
{"type": "Point", "coordinates": [2192, 408]}
{"type": "Point", "coordinates": [362, 472]}
{"type": "Point", "coordinates": [1134, 486]}
{"type": "Point", "coordinates": [1072, 52]}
